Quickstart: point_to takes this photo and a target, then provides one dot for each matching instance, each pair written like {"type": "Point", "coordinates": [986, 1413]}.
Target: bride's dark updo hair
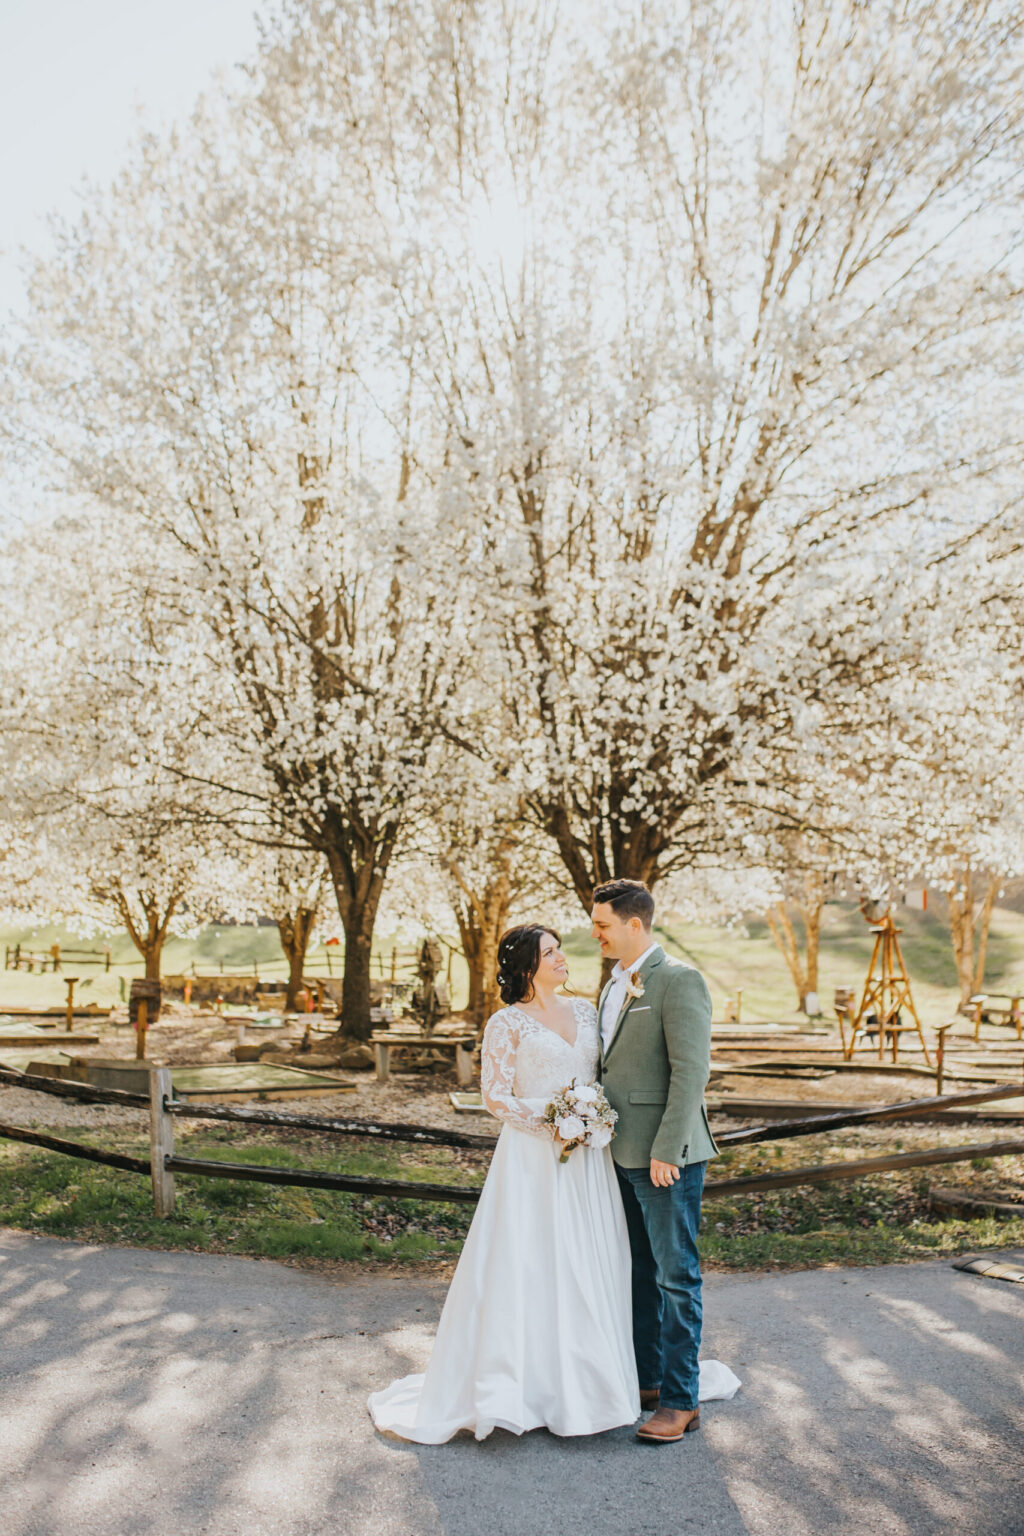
{"type": "Point", "coordinates": [518, 959]}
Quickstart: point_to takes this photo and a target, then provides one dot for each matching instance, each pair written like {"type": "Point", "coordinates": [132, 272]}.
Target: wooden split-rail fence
{"type": "Point", "coordinates": [18, 958]}
{"type": "Point", "coordinates": [164, 1162]}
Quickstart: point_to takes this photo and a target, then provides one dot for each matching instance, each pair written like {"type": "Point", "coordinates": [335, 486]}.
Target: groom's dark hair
{"type": "Point", "coordinates": [627, 898]}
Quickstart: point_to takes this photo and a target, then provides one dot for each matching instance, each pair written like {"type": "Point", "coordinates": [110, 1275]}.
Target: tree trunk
{"type": "Point", "coordinates": [633, 852]}
{"type": "Point", "coordinates": [961, 930]}
{"type": "Point", "coordinates": [358, 886]}
{"type": "Point", "coordinates": [355, 988]}
{"type": "Point", "coordinates": [784, 934]}
{"type": "Point", "coordinates": [482, 921]}
{"type": "Point", "coordinates": [149, 935]}
{"type": "Point", "coordinates": [968, 929]}
{"type": "Point", "coordinates": [982, 926]}
{"type": "Point", "coordinates": [803, 969]}
{"type": "Point", "coordinates": [294, 930]}
{"type": "Point", "coordinates": [810, 912]}
{"type": "Point", "coordinates": [152, 950]}
{"type": "Point", "coordinates": [482, 916]}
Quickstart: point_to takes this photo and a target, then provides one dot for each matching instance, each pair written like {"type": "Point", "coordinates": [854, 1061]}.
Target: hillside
{"type": "Point", "coordinates": [729, 958]}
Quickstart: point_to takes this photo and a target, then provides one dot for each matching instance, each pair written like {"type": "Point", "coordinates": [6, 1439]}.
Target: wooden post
{"type": "Point", "coordinates": [69, 982]}
{"type": "Point", "coordinates": [140, 1030]}
{"type": "Point", "coordinates": [464, 1065]}
{"type": "Point", "coordinates": [977, 1021]}
{"type": "Point", "coordinates": [55, 956]}
{"type": "Point", "coordinates": [940, 1056]}
{"type": "Point", "coordinates": [739, 1002]}
{"type": "Point", "coordinates": [383, 1055]}
{"type": "Point", "coordinates": [161, 1138]}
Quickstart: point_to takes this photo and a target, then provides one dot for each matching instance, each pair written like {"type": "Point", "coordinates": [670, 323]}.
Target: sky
{"type": "Point", "coordinates": [74, 75]}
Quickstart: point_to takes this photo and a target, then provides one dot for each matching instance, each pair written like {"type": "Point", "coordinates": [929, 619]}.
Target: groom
{"type": "Point", "coordinates": [655, 1020]}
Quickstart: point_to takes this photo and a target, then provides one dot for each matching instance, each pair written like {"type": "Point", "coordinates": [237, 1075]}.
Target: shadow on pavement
{"type": "Point", "coordinates": [165, 1394]}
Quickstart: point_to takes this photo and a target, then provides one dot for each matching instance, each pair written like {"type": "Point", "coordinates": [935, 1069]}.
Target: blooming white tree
{"type": "Point", "coordinates": [567, 389]}
{"type": "Point", "coordinates": [230, 394]}
{"type": "Point", "coordinates": [709, 380]}
{"type": "Point", "coordinates": [497, 870]}
{"type": "Point", "coordinates": [289, 886]}
{"type": "Point", "coordinates": [102, 828]}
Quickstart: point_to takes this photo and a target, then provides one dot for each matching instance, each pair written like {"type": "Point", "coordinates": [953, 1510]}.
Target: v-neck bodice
{"type": "Point", "coordinates": [524, 1059]}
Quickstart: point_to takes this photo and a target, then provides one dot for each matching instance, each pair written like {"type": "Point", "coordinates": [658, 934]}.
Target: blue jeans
{"type": "Point", "coordinates": [662, 1225]}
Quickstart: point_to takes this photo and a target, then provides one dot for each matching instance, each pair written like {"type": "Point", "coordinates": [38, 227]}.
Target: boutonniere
{"type": "Point", "coordinates": [634, 985]}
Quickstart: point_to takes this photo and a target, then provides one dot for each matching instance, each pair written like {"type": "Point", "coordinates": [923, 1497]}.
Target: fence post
{"type": "Point", "coordinates": [940, 1056]}
{"type": "Point", "coordinates": [161, 1140]}
{"type": "Point", "coordinates": [69, 982]}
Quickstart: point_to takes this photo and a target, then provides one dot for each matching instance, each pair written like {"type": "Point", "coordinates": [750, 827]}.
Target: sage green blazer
{"type": "Point", "coordinates": [657, 1065]}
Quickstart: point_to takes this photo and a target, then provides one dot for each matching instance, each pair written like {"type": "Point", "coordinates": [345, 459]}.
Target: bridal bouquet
{"type": "Point", "coordinates": [582, 1117]}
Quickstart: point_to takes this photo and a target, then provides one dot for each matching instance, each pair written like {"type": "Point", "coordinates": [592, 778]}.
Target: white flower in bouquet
{"type": "Point", "coordinates": [581, 1117]}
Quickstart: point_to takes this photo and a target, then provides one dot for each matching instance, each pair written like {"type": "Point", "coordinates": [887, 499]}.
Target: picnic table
{"type": "Point", "coordinates": [995, 1008]}
{"type": "Point", "coordinates": [386, 1041]}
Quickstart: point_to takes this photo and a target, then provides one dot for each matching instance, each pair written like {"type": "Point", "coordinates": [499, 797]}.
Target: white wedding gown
{"type": "Point", "coordinates": [536, 1326]}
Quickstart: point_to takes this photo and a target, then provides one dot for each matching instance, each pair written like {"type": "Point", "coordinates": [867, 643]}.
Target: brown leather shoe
{"type": "Point", "coordinates": [649, 1398]}
{"type": "Point", "coordinates": [669, 1424]}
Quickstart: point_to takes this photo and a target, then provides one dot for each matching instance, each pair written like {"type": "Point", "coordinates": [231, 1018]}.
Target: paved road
{"type": "Point", "coordinates": [173, 1394]}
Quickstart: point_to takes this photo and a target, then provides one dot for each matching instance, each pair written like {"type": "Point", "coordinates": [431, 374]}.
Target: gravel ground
{"type": "Point", "coordinates": [19, 1106]}
{"type": "Point", "coordinates": [399, 1100]}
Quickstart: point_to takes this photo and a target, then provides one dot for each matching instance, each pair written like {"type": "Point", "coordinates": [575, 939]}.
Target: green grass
{"type": "Point", "coordinates": [883, 1219]}
{"type": "Point", "coordinates": [838, 1246]}
{"type": "Point", "coordinates": [50, 1192]}
{"type": "Point", "coordinates": [880, 1220]}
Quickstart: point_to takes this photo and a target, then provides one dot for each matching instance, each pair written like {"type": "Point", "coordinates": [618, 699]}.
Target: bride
{"type": "Point", "coordinates": [536, 1326]}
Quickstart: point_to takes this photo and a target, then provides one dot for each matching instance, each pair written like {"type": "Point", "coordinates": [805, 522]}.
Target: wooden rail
{"type": "Point", "coordinates": [18, 956]}
{"type": "Point", "coordinates": [306, 1178]}
{"type": "Point", "coordinates": [163, 1162]}
{"type": "Point", "coordinates": [66, 1088]}
{"type": "Point", "coordinates": [825, 1173]}
{"type": "Point", "coordinates": [76, 1149]}
{"type": "Point", "coordinates": [906, 1109]}
{"type": "Point", "coordinates": [376, 1130]}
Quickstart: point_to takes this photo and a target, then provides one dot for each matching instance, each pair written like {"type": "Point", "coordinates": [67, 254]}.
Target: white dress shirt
{"type": "Point", "coordinates": [613, 1003]}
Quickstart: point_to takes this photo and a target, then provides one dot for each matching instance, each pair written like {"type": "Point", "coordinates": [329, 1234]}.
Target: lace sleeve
{"type": "Point", "coordinates": [498, 1075]}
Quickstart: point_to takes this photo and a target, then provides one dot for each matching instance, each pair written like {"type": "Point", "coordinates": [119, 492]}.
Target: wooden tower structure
{"type": "Point", "coordinates": [886, 1004]}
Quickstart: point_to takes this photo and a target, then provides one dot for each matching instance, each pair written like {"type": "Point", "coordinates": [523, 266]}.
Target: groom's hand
{"type": "Point", "coordinates": [663, 1174]}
